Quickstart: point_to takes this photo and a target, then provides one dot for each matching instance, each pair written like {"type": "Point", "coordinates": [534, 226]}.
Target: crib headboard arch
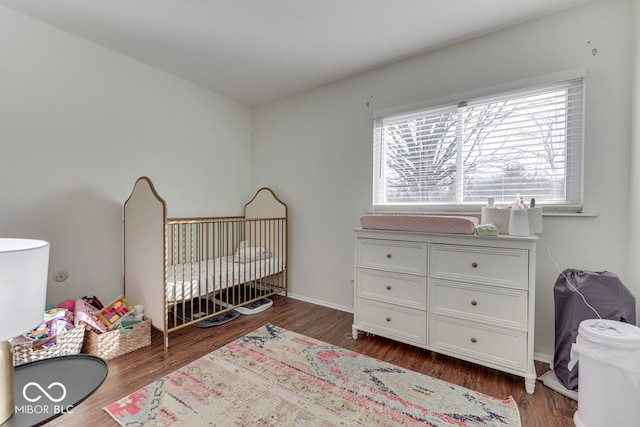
{"type": "Point", "coordinates": [268, 226]}
{"type": "Point", "coordinates": [272, 215]}
{"type": "Point", "coordinates": [145, 246]}
{"type": "Point", "coordinates": [265, 204]}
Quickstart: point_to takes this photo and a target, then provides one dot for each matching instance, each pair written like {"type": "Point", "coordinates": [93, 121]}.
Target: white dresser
{"type": "Point", "coordinates": [465, 296]}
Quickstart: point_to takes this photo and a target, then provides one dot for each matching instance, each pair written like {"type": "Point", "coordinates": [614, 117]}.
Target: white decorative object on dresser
{"type": "Point", "coordinates": [467, 296]}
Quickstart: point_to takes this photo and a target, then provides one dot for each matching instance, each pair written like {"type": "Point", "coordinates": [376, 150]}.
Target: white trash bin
{"type": "Point", "coordinates": [609, 376]}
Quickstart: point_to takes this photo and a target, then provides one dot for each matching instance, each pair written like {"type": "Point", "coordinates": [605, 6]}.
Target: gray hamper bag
{"type": "Point", "coordinates": [605, 293]}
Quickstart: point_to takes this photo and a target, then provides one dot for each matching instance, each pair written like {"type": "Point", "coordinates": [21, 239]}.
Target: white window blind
{"type": "Point", "coordinates": [526, 142]}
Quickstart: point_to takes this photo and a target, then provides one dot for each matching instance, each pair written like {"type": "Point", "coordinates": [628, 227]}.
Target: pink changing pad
{"type": "Point", "coordinates": [422, 223]}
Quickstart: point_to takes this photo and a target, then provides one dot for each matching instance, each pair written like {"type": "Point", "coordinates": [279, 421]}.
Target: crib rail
{"type": "Point", "coordinates": [226, 260]}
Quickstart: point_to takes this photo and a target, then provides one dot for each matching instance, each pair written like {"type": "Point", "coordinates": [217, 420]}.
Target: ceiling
{"type": "Point", "coordinates": [256, 51]}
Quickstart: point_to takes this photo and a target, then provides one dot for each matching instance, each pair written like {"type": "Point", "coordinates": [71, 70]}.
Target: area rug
{"type": "Point", "coordinates": [275, 377]}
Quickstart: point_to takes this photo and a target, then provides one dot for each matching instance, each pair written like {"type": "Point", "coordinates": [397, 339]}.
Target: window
{"type": "Point", "coordinates": [526, 142]}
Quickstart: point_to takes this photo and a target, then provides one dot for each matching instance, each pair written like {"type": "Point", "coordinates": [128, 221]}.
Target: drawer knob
{"type": "Point", "coordinates": [474, 302]}
{"type": "Point", "coordinates": [473, 340]}
{"type": "Point", "coordinates": [388, 319]}
{"type": "Point", "coordinates": [388, 287]}
{"type": "Point", "coordinates": [388, 255]}
{"type": "Point", "coordinates": [474, 264]}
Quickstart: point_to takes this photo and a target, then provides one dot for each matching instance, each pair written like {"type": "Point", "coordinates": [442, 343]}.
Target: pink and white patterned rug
{"type": "Point", "coordinates": [275, 377]}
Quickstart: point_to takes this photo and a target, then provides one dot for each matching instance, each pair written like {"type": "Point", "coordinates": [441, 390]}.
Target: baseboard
{"type": "Point", "coordinates": [545, 358]}
{"type": "Point", "coordinates": [320, 302]}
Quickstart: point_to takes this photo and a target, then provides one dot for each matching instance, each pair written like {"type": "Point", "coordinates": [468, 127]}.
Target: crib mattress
{"type": "Point", "coordinates": [421, 223]}
{"type": "Point", "coordinates": [199, 279]}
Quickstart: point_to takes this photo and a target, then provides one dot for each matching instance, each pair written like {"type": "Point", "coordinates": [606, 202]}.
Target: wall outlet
{"type": "Point", "coordinates": [60, 276]}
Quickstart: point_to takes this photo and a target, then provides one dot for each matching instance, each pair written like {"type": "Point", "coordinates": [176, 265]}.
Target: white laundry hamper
{"type": "Point", "coordinates": [609, 375]}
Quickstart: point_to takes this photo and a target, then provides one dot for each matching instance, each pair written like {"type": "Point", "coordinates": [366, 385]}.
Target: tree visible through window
{"type": "Point", "coordinates": [527, 142]}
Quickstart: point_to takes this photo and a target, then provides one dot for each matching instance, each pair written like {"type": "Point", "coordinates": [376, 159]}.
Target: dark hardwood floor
{"type": "Point", "coordinates": [127, 373]}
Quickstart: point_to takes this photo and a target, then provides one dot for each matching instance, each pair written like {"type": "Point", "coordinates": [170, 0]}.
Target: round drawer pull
{"type": "Point", "coordinates": [474, 264]}
{"type": "Point", "coordinates": [473, 340]}
{"type": "Point", "coordinates": [474, 302]}
{"type": "Point", "coordinates": [388, 287]}
{"type": "Point", "coordinates": [388, 319]}
{"type": "Point", "coordinates": [388, 255]}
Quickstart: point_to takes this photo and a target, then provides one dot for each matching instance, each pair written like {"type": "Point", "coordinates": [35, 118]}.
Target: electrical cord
{"type": "Point", "coordinates": [567, 279]}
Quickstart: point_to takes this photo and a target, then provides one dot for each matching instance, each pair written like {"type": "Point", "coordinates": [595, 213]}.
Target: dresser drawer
{"type": "Point", "coordinates": [490, 304]}
{"type": "Point", "coordinates": [391, 321]}
{"type": "Point", "coordinates": [396, 288]}
{"type": "Point", "coordinates": [472, 341]}
{"type": "Point", "coordinates": [391, 255]}
{"type": "Point", "coordinates": [491, 266]}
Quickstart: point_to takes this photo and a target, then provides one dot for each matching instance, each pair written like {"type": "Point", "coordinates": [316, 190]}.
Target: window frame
{"type": "Point", "coordinates": [475, 207]}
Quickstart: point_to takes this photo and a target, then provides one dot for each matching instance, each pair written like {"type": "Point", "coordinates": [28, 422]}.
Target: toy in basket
{"type": "Point", "coordinates": [65, 342]}
{"type": "Point", "coordinates": [114, 313]}
{"type": "Point", "coordinates": [85, 315]}
{"type": "Point", "coordinates": [121, 332]}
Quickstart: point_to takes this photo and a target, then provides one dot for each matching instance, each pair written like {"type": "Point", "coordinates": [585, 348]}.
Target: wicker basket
{"type": "Point", "coordinates": [112, 344]}
{"type": "Point", "coordinates": [66, 343]}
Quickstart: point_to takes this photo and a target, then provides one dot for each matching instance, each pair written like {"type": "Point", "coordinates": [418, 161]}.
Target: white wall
{"type": "Point", "coordinates": [315, 148]}
{"type": "Point", "coordinates": [79, 124]}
